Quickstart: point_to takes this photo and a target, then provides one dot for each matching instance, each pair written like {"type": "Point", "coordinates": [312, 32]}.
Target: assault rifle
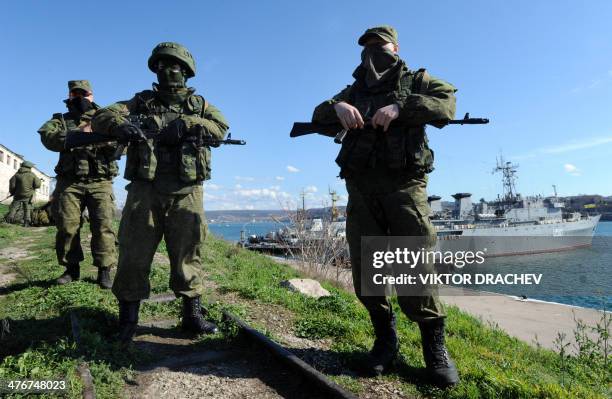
{"type": "Point", "coordinates": [336, 130]}
{"type": "Point", "coordinates": [77, 138]}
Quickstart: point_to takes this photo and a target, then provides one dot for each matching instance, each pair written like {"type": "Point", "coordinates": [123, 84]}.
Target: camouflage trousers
{"type": "Point", "coordinates": [20, 207]}
{"type": "Point", "coordinates": [71, 199]}
{"type": "Point", "coordinates": [149, 216]}
{"type": "Point", "coordinates": [382, 205]}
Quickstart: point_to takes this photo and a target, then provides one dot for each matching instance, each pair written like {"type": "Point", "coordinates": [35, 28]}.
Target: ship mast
{"type": "Point", "coordinates": [334, 210]}
{"type": "Point", "coordinates": [301, 214]}
{"type": "Point", "coordinates": [508, 170]}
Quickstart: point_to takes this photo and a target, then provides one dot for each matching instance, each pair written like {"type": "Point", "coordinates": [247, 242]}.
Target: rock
{"type": "Point", "coordinates": [306, 286]}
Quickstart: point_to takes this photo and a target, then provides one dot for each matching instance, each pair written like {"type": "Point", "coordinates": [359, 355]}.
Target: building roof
{"type": "Point", "coordinates": [15, 154]}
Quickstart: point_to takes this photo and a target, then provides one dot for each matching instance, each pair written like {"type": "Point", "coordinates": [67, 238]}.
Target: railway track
{"type": "Point", "coordinates": [249, 365]}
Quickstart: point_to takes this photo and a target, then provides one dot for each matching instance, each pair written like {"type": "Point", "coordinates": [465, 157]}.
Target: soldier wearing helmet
{"type": "Point", "coordinates": [84, 181]}
{"type": "Point", "coordinates": [165, 194]}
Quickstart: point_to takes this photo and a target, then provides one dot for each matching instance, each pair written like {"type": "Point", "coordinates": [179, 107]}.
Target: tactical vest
{"type": "Point", "coordinates": [86, 163]}
{"type": "Point", "coordinates": [402, 148]}
{"type": "Point", "coordinates": [147, 160]}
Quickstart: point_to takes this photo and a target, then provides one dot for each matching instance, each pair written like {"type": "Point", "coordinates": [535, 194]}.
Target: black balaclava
{"type": "Point", "coordinates": [78, 105]}
{"type": "Point", "coordinates": [171, 77]}
{"type": "Point", "coordinates": [170, 74]}
{"type": "Point", "coordinates": [379, 64]}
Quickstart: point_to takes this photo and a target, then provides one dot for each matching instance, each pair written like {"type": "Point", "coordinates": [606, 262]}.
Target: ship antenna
{"type": "Point", "coordinates": [508, 170]}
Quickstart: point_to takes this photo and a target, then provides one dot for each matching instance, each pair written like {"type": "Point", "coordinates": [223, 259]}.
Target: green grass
{"type": "Point", "coordinates": [491, 363]}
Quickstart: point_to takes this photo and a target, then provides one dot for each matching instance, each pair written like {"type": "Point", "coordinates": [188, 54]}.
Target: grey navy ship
{"type": "Point", "coordinates": [512, 224]}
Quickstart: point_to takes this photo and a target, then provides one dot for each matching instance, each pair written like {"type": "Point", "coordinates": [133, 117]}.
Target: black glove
{"type": "Point", "coordinates": [201, 137]}
{"type": "Point", "coordinates": [127, 132]}
{"type": "Point", "coordinates": [174, 133]}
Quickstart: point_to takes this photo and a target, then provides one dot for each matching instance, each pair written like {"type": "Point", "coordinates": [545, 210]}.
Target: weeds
{"type": "Point", "coordinates": [38, 342]}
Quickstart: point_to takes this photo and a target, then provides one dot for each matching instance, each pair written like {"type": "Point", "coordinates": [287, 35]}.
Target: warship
{"type": "Point", "coordinates": [512, 224]}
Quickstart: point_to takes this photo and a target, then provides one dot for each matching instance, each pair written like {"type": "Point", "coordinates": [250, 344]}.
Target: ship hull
{"type": "Point", "coordinates": [520, 239]}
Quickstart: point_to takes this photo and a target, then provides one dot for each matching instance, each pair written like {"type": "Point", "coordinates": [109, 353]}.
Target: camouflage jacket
{"type": "Point", "coordinates": [23, 184]}
{"type": "Point", "coordinates": [91, 163]}
{"type": "Point", "coordinates": [172, 169]}
{"type": "Point", "coordinates": [403, 149]}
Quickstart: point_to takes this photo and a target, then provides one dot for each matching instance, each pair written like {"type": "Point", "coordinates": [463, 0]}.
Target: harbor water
{"type": "Point", "coordinates": [587, 270]}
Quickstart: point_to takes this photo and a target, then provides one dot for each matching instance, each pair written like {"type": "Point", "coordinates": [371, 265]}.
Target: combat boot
{"type": "Point", "coordinates": [440, 367]}
{"type": "Point", "coordinates": [386, 346]}
{"type": "Point", "coordinates": [72, 273]}
{"type": "Point", "coordinates": [128, 320]}
{"type": "Point", "coordinates": [104, 280]}
{"type": "Point", "coordinates": [193, 320]}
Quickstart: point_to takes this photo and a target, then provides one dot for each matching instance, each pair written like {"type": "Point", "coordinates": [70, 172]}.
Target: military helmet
{"type": "Point", "coordinates": [27, 164]}
{"type": "Point", "coordinates": [176, 51]}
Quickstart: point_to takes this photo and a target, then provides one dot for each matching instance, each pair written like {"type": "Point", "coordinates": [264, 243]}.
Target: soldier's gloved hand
{"type": "Point", "coordinates": [127, 132]}
{"type": "Point", "coordinates": [201, 137]}
{"type": "Point", "coordinates": [173, 133]}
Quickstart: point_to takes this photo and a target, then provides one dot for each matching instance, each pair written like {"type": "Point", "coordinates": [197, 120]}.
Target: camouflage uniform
{"type": "Point", "coordinates": [165, 196]}
{"type": "Point", "coordinates": [84, 180]}
{"type": "Point", "coordinates": [22, 186]}
{"type": "Point", "coordinates": [386, 174]}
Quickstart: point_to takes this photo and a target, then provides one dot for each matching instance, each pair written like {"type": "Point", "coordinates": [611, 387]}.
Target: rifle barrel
{"type": "Point", "coordinates": [469, 121]}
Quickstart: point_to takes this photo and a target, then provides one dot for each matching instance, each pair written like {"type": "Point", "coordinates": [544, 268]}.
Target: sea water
{"type": "Point", "coordinates": [587, 271]}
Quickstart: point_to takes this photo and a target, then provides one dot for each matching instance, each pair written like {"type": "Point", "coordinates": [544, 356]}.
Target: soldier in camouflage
{"type": "Point", "coordinates": [165, 194]}
{"type": "Point", "coordinates": [385, 160]}
{"type": "Point", "coordinates": [22, 186]}
{"type": "Point", "coordinates": [84, 181]}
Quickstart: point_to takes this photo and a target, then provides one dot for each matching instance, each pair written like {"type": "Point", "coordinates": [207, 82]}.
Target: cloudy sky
{"type": "Point", "coordinates": [541, 71]}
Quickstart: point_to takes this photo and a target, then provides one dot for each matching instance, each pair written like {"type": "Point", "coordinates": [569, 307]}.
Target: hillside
{"type": "Point", "coordinates": [332, 334]}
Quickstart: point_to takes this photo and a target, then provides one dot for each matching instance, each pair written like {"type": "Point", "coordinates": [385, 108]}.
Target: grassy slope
{"type": "Point", "coordinates": [492, 364]}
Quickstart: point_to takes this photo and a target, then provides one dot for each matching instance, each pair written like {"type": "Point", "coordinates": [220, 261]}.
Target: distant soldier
{"type": "Point", "coordinates": [84, 181]}
{"type": "Point", "coordinates": [22, 186]}
{"type": "Point", "coordinates": [165, 196]}
{"type": "Point", "coordinates": [385, 160]}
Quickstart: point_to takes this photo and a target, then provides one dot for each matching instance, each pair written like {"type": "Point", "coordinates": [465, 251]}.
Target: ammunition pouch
{"type": "Point", "coordinates": [358, 152]}
{"type": "Point", "coordinates": [88, 163]}
{"type": "Point", "coordinates": [418, 156]}
{"type": "Point", "coordinates": [194, 163]}
{"type": "Point", "coordinates": [142, 161]}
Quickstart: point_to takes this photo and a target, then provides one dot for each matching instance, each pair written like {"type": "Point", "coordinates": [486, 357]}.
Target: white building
{"type": "Point", "coordinates": [9, 164]}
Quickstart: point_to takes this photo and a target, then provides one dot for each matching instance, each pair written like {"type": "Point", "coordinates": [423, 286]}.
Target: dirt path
{"type": "Point", "coordinates": [219, 368]}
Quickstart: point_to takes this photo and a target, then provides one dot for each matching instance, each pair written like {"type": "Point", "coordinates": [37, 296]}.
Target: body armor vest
{"type": "Point", "coordinates": [94, 162]}
{"type": "Point", "coordinates": [147, 160]}
{"type": "Point", "coordinates": [402, 148]}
